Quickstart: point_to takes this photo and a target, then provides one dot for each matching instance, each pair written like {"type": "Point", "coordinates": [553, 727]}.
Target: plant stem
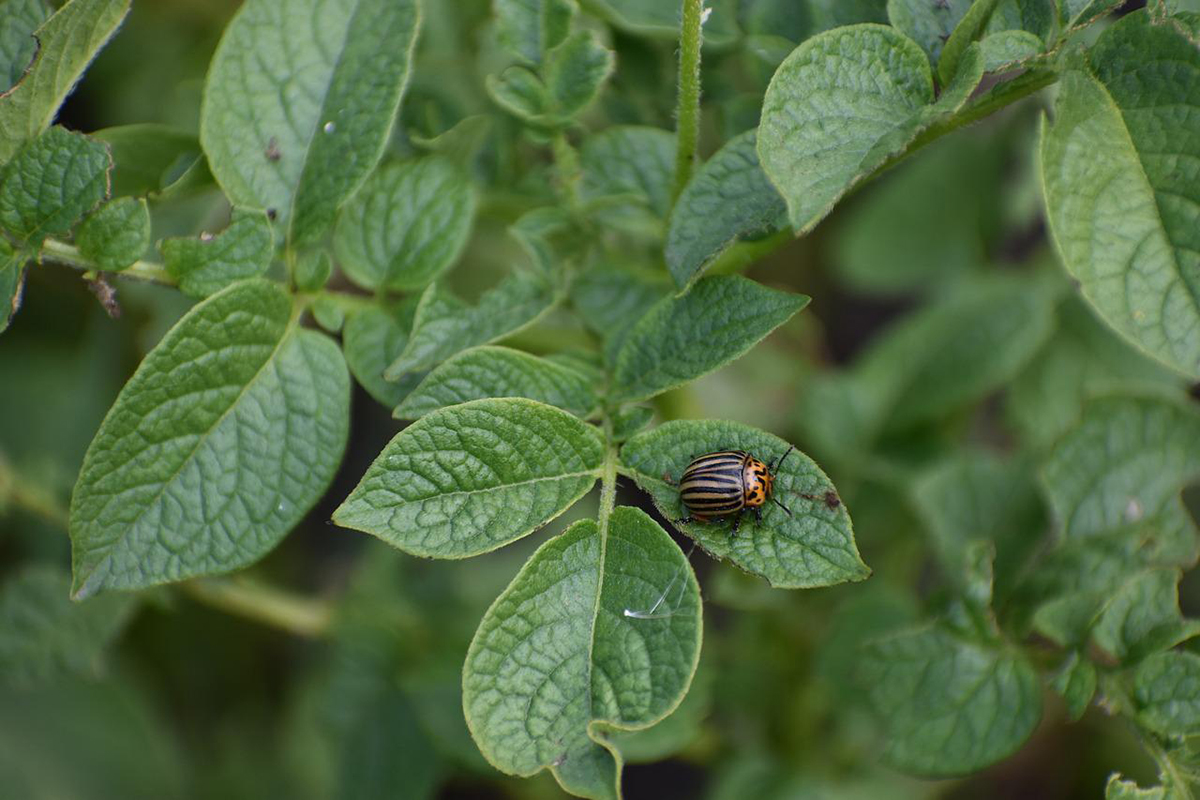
{"type": "Point", "coordinates": [293, 613]}
{"type": "Point", "coordinates": [608, 478]}
{"type": "Point", "coordinates": [63, 253]}
{"type": "Point", "coordinates": [687, 113]}
{"type": "Point", "coordinates": [570, 173]}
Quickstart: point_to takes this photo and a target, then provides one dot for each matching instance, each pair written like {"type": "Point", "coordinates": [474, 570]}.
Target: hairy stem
{"type": "Point", "coordinates": [302, 616]}
{"type": "Point", "coordinates": [63, 253]}
{"type": "Point", "coordinates": [608, 477]}
{"type": "Point", "coordinates": [688, 110]}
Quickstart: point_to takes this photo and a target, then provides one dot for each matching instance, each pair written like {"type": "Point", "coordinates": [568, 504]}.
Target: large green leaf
{"type": "Point", "coordinates": [51, 183]}
{"type": "Point", "coordinates": [473, 477]}
{"type": "Point", "coordinates": [406, 226]}
{"type": "Point", "coordinates": [728, 199]}
{"type": "Point", "coordinates": [43, 635]}
{"type": "Point", "coordinates": [949, 706]}
{"type": "Point", "coordinates": [18, 20]}
{"type": "Point", "coordinates": [220, 442]}
{"type": "Point", "coordinates": [1121, 170]}
{"type": "Point", "coordinates": [67, 43]}
{"type": "Point", "coordinates": [687, 336]}
{"type": "Point", "coordinates": [206, 264]}
{"type": "Point", "coordinates": [1125, 462]}
{"type": "Point", "coordinates": [841, 105]}
{"type": "Point", "coordinates": [500, 372]}
{"type": "Point", "coordinates": [300, 100]}
{"type": "Point", "coordinates": [812, 546]}
{"type": "Point", "coordinates": [444, 325]}
{"type": "Point", "coordinates": [1076, 13]}
{"type": "Point", "coordinates": [1142, 616]}
{"type": "Point", "coordinates": [563, 656]}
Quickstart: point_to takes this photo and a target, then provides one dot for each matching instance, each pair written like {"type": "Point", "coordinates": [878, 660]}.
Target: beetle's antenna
{"type": "Point", "coordinates": [781, 505]}
{"type": "Point", "coordinates": [779, 461]}
{"type": "Point", "coordinates": [653, 612]}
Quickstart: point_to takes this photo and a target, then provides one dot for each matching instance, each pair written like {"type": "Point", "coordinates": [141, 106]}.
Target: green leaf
{"type": "Point", "coordinates": [662, 19]}
{"type": "Point", "coordinates": [925, 223]}
{"type": "Point", "coordinates": [154, 159]}
{"type": "Point", "coordinates": [1084, 359]}
{"type": "Point", "coordinates": [329, 314]}
{"type": "Point", "coordinates": [629, 421]}
{"type": "Point", "coordinates": [116, 234]}
{"type": "Point", "coordinates": [1032, 16]}
{"type": "Point", "coordinates": [406, 226]}
{"type": "Point", "coordinates": [374, 337]}
{"type": "Point", "coordinates": [1006, 50]}
{"type": "Point", "coordinates": [208, 263]}
{"type": "Point", "coordinates": [1126, 461]}
{"type": "Point", "coordinates": [632, 162]}
{"type": "Point", "coordinates": [1143, 616]}
{"type": "Point", "coordinates": [685, 337]}
{"type": "Point", "coordinates": [1077, 13]}
{"type": "Point", "coordinates": [43, 635]}
{"type": "Point", "coordinates": [67, 43]}
{"type": "Point", "coordinates": [927, 23]}
{"type": "Point", "coordinates": [499, 372]}
{"type": "Point", "coordinates": [530, 28]}
{"type": "Point", "coordinates": [558, 660]}
{"type": "Point", "coordinates": [88, 739]}
{"type": "Point", "coordinates": [467, 479]}
{"type": "Point", "coordinates": [841, 105]}
{"type": "Point", "coordinates": [51, 183]}
{"type": "Point", "coordinates": [1076, 682]}
{"type": "Point", "coordinates": [968, 29]}
{"type": "Point", "coordinates": [574, 72]}
{"type": "Point", "coordinates": [20, 18]}
{"type": "Point", "coordinates": [1166, 691]}
{"type": "Point", "coordinates": [1118, 789]}
{"type": "Point", "coordinates": [1121, 170]}
{"type": "Point", "coordinates": [611, 299]}
{"type": "Point", "coordinates": [727, 200]}
{"type": "Point", "coordinates": [300, 101]}
{"type": "Point", "coordinates": [222, 440]}
{"type": "Point", "coordinates": [546, 234]}
{"type": "Point", "coordinates": [444, 325]}
{"type": "Point", "coordinates": [312, 271]}
{"type": "Point", "coordinates": [521, 93]}
{"type": "Point", "coordinates": [948, 355]}
{"type": "Point", "coordinates": [12, 282]}
{"type": "Point", "coordinates": [949, 707]}
{"type": "Point", "coordinates": [974, 496]}
{"type": "Point", "coordinates": [814, 546]}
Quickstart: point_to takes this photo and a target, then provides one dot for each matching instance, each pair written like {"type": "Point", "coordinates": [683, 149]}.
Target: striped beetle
{"type": "Point", "coordinates": [728, 482]}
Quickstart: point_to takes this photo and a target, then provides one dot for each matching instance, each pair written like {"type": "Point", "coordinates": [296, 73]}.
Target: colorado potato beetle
{"type": "Point", "coordinates": [728, 482]}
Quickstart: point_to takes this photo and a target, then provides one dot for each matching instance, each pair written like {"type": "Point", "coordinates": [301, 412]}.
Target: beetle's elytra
{"type": "Point", "coordinates": [728, 482]}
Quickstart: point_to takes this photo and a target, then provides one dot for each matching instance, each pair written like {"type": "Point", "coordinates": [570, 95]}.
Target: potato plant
{"type": "Point", "coordinates": [521, 229]}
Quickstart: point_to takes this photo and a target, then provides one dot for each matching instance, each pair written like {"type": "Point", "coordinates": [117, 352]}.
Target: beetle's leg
{"type": "Point", "coordinates": [736, 522]}
{"type": "Point", "coordinates": [666, 476]}
{"type": "Point", "coordinates": [684, 520]}
{"type": "Point", "coordinates": [758, 514]}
